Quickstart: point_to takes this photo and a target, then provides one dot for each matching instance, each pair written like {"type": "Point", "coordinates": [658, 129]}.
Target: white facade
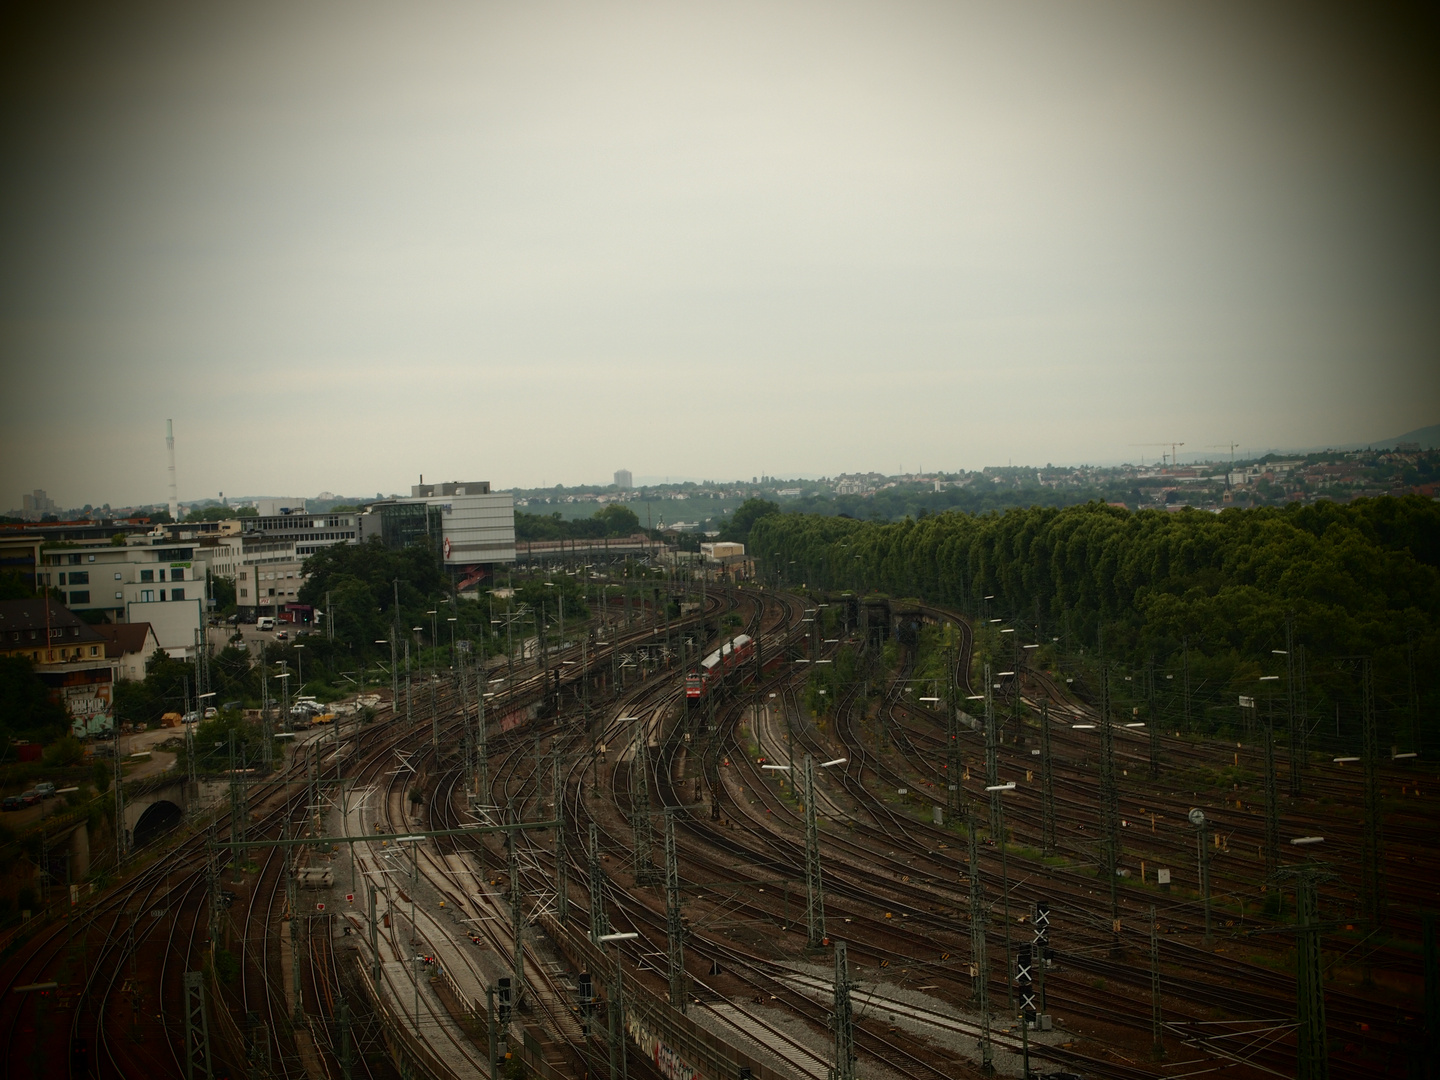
{"type": "Point", "coordinates": [267, 574]}
{"type": "Point", "coordinates": [112, 577]}
{"type": "Point", "coordinates": [476, 528]}
{"type": "Point", "coordinates": [175, 624]}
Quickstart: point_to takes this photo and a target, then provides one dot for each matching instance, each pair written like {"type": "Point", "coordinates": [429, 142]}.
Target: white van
{"type": "Point", "coordinates": [265, 622]}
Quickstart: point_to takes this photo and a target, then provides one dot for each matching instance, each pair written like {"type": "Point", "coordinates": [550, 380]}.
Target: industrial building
{"type": "Point", "coordinates": [472, 527]}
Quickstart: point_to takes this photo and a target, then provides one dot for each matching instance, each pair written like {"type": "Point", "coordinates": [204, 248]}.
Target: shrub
{"type": "Point", "coordinates": [65, 750]}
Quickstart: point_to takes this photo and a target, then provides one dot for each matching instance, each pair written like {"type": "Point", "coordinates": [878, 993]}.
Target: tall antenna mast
{"type": "Point", "coordinates": [170, 449]}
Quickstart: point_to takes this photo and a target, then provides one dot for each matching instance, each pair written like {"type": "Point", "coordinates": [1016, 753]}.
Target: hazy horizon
{"type": "Point", "coordinates": [343, 245]}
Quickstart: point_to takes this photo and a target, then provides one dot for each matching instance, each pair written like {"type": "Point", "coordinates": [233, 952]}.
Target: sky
{"type": "Point", "coordinates": [344, 244]}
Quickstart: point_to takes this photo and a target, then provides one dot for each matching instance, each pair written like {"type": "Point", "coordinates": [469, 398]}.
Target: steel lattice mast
{"type": "Point", "coordinates": [842, 1020]}
{"type": "Point", "coordinates": [599, 925]}
{"type": "Point", "coordinates": [1373, 863]}
{"type": "Point", "coordinates": [992, 759]}
{"type": "Point", "coordinates": [814, 886]}
{"type": "Point", "coordinates": [1109, 803]}
{"type": "Point", "coordinates": [674, 922]}
{"type": "Point", "coordinates": [640, 803]}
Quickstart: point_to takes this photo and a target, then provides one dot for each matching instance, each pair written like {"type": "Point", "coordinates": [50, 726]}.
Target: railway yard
{"type": "Point", "coordinates": [572, 868]}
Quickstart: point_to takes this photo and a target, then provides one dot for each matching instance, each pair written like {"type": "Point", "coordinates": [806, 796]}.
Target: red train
{"type": "Point", "coordinates": [713, 668]}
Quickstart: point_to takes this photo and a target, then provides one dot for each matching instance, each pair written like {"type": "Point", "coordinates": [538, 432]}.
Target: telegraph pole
{"type": "Point", "coordinates": [674, 923]}
{"type": "Point", "coordinates": [562, 859]}
{"type": "Point", "coordinates": [1295, 739]}
{"type": "Point", "coordinates": [843, 1020]}
{"type": "Point", "coordinates": [197, 1030]}
{"type": "Point", "coordinates": [1157, 1050]}
{"type": "Point", "coordinates": [979, 961]}
{"type": "Point", "coordinates": [979, 958]}
{"type": "Point", "coordinates": [640, 803]}
{"type": "Point", "coordinates": [814, 886]}
{"type": "Point", "coordinates": [1047, 783]}
{"type": "Point", "coordinates": [517, 918]}
{"type": "Point", "coordinates": [1373, 854]}
{"type": "Point", "coordinates": [1185, 669]}
{"type": "Point", "coordinates": [1272, 801]}
{"type": "Point", "coordinates": [1202, 836]}
{"type": "Point", "coordinates": [1109, 803]}
{"type": "Point", "coordinates": [122, 834]}
{"type": "Point", "coordinates": [1312, 1050]}
{"type": "Point", "coordinates": [992, 760]}
{"type": "Point", "coordinates": [599, 925]}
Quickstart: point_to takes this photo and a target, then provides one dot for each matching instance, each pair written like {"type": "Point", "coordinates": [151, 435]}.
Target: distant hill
{"type": "Point", "coordinates": [1427, 438]}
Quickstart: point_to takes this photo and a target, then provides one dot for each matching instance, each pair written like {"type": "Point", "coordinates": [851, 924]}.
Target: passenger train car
{"type": "Point", "coordinates": [713, 668]}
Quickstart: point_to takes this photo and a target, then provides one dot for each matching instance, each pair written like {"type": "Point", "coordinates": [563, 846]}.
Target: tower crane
{"type": "Point", "coordinates": [1172, 445]}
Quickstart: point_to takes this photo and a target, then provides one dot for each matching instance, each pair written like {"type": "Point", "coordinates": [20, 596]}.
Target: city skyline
{"type": "Point", "coordinates": [341, 245]}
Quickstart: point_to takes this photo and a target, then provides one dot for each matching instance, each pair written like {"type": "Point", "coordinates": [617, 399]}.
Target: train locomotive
{"type": "Point", "coordinates": [710, 671]}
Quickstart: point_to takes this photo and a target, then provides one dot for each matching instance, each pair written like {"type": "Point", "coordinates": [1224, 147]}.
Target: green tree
{"type": "Point", "coordinates": [27, 710]}
{"type": "Point", "coordinates": [737, 528]}
{"type": "Point", "coordinates": [618, 520]}
{"type": "Point", "coordinates": [15, 586]}
{"type": "Point", "coordinates": [223, 589]}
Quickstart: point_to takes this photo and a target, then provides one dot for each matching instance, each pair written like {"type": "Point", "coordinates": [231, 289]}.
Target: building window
{"type": "Point", "coordinates": [177, 594]}
{"type": "Point", "coordinates": [147, 596]}
{"type": "Point", "coordinates": [90, 558]}
{"type": "Point", "coordinates": [177, 573]}
{"type": "Point", "coordinates": [272, 592]}
{"type": "Point", "coordinates": [147, 575]}
{"type": "Point", "coordinates": [62, 579]}
{"type": "Point", "coordinates": [95, 651]}
{"type": "Point", "coordinates": [117, 575]}
{"type": "Point", "coordinates": [80, 577]}
{"type": "Point", "coordinates": [244, 592]}
{"type": "Point", "coordinates": [119, 596]}
{"type": "Point", "coordinates": [74, 560]}
{"type": "Point", "coordinates": [162, 574]}
{"type": "Point", "coordinates": [80, 596]}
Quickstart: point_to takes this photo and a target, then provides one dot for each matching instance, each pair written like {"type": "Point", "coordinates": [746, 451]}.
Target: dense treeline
{"type": "Point", "coordinates": [613, 520]}
{"type": "Point", "coordinates": [892, 504]}
{"type": "Point", "coordinates": [1153, 590]}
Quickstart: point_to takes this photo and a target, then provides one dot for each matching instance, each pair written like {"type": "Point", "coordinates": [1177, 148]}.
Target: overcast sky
{"type": "Point", "coordinates": [345, 244]}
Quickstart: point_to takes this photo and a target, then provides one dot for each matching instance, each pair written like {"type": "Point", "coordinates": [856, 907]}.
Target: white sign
{"type": "Point", "coordinates": [1246, 702]}
{"type": "Point", "coordinates": [1162, 877]}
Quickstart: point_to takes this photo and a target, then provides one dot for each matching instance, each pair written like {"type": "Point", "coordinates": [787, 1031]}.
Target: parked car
{"type": "Point", "coordinates": [45, 788]}
{"type": "Point", "coordinates": [282, 635]}
{"type": "Point", "coordinates": [31, 797]}
{"type": "Point", "coordinates": [14, 802]}
{"type": "Point", "coordinates": [211, 713]}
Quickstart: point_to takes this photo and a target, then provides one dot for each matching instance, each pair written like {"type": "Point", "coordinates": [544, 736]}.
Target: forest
{"type": "Point", "coordinates": [1222, 601]}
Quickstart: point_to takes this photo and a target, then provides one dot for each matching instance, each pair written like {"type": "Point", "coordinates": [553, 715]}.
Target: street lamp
{"type": "Point", "coordinates": [1197, 818]}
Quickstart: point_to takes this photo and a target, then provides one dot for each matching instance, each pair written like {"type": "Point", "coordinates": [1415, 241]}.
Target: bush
{"type": "Point", "coordinates": [100, 776]}
{"type": "Point", "coordinates": [64, 751]}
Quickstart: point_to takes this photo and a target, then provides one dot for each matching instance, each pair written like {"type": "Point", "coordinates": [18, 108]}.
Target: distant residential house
{"type": "Point", "coordinates": [130, 645]}
{"type": "Point", "coordinates": [68, 654]}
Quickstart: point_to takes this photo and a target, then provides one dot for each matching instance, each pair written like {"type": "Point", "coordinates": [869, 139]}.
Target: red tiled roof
{"type": "Point", "coordinates": [123, 638]}
{"type": "Point", "coordinates": [40, 613]}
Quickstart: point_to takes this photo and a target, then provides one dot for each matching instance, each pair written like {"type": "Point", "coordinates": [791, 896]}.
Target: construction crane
{"type": "Point", "coordinates": [1226, 446]}
{"type": "Point", "coordinates": [1231, 447]}
{"type": "Point", "coordinates": [1172, 445]}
